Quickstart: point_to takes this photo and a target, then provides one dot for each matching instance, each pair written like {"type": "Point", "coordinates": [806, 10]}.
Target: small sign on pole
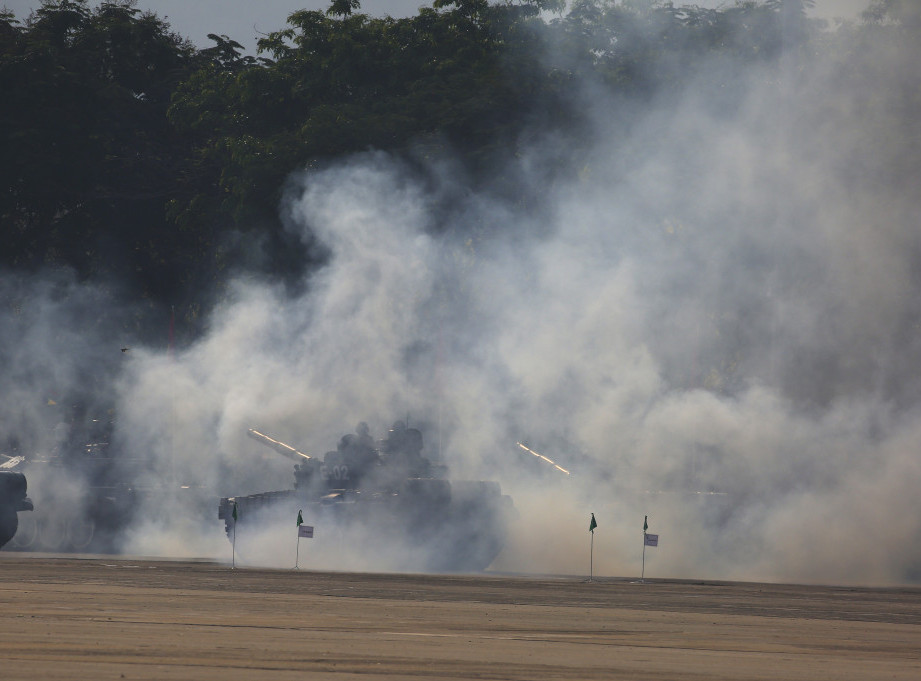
{"type": "Point", "coordinates": [303, 530]}
{"type": "Point", "coordinates": [648, 540]}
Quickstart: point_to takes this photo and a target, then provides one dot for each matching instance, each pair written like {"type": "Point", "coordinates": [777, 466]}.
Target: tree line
{"type": "Point", "coordinates": [133, 158]}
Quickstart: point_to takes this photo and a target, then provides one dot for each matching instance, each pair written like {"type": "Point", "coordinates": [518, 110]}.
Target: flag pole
{"type": "Point", "coordinates": [591, 556]}
{"type": "Point", "coordinates": [297, 551]}
{"type": "Point", "coordinates": [645, 527]}
{"type": "Point", "coordinates": [643, 573]}
{"type": "Point", "coordinates": [591, 550]}
{"type": "Point", "coordinates": [233, 554]}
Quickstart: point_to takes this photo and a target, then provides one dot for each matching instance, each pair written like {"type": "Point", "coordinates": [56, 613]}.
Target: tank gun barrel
{"type": "Point", "coordinates": [280, 447]}
{"type": "Point", "coordinates": [11, 462]}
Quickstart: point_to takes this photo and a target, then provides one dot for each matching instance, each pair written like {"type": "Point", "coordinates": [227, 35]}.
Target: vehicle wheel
{"type": "Point", "coordinates": [27, 533]}
{"type": "Point", "coordinates": [80, 533]}
{"type": "Point", "coordinates": [52, 533]}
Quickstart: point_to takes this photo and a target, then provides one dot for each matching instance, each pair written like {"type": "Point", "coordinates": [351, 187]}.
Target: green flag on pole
{"type": "Point", "coordinates": [234, 514]}
{"type": "Point", "coordinates": [592, 524]}
{"type": "Point", "coordinates": [645, 523]}
{"type": "Point", "coordinates": [300, 519]}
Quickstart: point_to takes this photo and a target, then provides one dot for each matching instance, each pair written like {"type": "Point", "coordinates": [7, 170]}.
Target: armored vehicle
{"type": "Point", "coordinates": [82, 488]}
{"type": "Point", "coordinates": [388, 498]}
{"type": "Point", "coordinates": [12, 500]}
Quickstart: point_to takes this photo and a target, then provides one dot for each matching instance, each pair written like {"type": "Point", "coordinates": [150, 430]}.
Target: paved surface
{"type": "Point", "coordinates": [106, 618]}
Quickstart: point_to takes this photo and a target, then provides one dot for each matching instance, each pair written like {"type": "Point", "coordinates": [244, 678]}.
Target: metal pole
{"type": "Point", "coordinates": [591, 555]}
{"type": "Point", "coordinates": [297, 551]}
{"type": "Point", "coordinates": [643, 573]}
{"type": "Point", "coordinates": [233, 555]}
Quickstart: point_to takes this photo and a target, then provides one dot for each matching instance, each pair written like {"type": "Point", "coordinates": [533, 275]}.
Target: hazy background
{"type": "Point", "coordinates": [713, 323]}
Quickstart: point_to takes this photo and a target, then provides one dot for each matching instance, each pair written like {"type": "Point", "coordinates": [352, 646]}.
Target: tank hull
{"type": "Point", "coordinates": [428, 525]}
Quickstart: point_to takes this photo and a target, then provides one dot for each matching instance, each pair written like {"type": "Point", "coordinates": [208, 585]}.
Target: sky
{"type": "Point", "coordinates": [244, 21]}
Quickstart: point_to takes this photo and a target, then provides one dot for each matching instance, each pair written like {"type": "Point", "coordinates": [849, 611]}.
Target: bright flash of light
{"type": "Point", "coordinates": [541, 456]}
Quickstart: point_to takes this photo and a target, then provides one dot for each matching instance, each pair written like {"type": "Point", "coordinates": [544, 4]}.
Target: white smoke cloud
{"type": "Point", "coordinates": [713, 324]}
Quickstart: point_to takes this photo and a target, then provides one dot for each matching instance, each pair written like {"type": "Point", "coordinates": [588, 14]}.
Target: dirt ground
{"type": "Point", "coordinates": [107, 618]}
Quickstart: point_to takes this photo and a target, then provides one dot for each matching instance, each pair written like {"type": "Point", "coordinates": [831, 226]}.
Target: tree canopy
{"type": "Point", "coordinates": [129, 155]}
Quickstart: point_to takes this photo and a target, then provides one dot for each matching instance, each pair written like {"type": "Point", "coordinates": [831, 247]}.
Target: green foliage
{"type": "Point", "coordinates": [460, 72]}
{"type": "Point", "coordinates": [127, 153]}
{"type": "Point", "coordinates": [85, 135]}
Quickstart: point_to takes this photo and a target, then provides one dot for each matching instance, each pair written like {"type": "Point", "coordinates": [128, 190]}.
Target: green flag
{"type": "Point", "coordinates": [645, 523]}
{"type": "Point", "coordinates": [592, 524]}
{"type": "Point", "coordinates": [300, 519]}
{"type": "Point", "coordinates": [234, 514]}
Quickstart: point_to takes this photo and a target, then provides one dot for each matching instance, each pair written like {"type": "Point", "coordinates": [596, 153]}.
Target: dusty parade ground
{"type": "Point", "coordinates": [107, 618]}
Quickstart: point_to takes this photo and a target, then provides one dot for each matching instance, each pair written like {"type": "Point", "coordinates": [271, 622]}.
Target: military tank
{"type": "Point", "coordinates": [13, 499]}
{"type": "Point", "coordinates": [388, 498]}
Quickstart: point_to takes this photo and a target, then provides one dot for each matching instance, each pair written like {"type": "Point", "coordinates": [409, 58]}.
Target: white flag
{"type": "Point", "coordinates": [652, 539]}
{"type": "Point", "coordinates": [305, 531]}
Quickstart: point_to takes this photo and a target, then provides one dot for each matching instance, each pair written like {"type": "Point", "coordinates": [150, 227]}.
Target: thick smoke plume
{"type": "Point", "coordinates": [714, 322]}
